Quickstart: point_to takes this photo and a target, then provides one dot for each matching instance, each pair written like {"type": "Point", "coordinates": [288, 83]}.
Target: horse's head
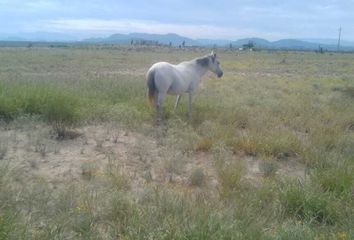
{"type": "Point", "coordinates": [214, 65]}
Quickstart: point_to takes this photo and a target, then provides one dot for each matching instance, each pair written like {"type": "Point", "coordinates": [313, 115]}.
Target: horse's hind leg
{"type": "Point", "coordinates": [159, 102]}
{"type": "Point", "coordinates": [190, 105]}
{"type": "Point", "coordinates": [176, 103]}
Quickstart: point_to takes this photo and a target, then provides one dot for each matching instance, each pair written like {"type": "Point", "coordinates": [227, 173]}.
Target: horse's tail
{"type": "Point", "coordinates": [151, 87]}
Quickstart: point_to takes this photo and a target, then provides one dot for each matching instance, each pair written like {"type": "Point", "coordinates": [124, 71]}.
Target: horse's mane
{"type": "Point", "coordinates": [203, 61]}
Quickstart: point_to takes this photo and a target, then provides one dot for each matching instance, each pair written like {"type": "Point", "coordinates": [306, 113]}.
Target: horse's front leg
{"type": "Point", "coordinates": [178, 98]}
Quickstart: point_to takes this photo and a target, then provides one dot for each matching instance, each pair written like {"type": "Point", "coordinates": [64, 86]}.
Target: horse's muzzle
{"type": "Point", "coordinates": [220, 74]}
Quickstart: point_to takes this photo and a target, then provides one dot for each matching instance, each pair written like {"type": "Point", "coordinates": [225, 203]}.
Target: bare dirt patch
{"type": "Point", "coordinates": [100, 147]}
{"type": "Point", "coordinates": [288, 168]}
{"type": "Point", "coordinates": [40, 155]}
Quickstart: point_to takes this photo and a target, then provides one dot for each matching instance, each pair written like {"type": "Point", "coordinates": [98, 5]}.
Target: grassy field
{"type": "Point", "coordinates": [268, 154]}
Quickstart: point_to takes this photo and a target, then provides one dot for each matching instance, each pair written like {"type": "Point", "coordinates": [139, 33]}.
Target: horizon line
{"type": "Point", "coordinates": [8, 36]}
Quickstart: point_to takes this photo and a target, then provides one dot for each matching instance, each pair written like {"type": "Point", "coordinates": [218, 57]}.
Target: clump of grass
{"type": "Point", "coordinates": [58, 106]}
{"type": "Point", "coordinates": [308, 203]}
{"type": "Point", "coordinates": [197, 177]}
{"type": "Point", "coordinates": [11, 222]}
{"type": "Point", "coordinates": [337, 180]}
{"type": "Point", "coordinates": [130, 115]}
{"type": "Point", "coordinates": [41, 148]}
{"type": "Point", "coordinates": [277, 144]}
{"type": "Point", "coordinates": [153, 217]}
{"type": "Point", "coordinates": [3, 150]}
{"type": "Point", "coordinates": [82, 221]}
{"type": "Point", "coordinates": [268, 168]}
{"type": "Point", "coordinates": [116, 175]}
{"type": "Point", "coordinates": [89, 170]}
{"type": "Point", "coordinates": [99, 144]}
{"type": "Point", "coordinates": [7, 109]}
{"type": "Point", "coordinates": [61, 111]}
{"type": "Point", "coordinates": [181, 135]}
{"type": "Point", "coordinates": [229, 175]}
{"type": "Point", "coordinates": [349, 91]}
{"type": "Point", "coordinates": [294, 231]}
{"type": "Point", "coordinates": [204, 145]}
{"type": "Point", "coordinates": [18, 98]}
{"type": "Point", "coordinates": [246, 144]}
{"type": "Point", "coordinates": [175, 164]}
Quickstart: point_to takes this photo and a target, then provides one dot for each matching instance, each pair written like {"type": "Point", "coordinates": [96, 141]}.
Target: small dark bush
{"type": "Point", "coordinates": [61, 111]}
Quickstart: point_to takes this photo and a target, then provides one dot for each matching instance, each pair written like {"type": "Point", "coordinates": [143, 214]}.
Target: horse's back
{"type": "Point", "coordinates": [167, 78]}
{"type": "Point", "coordinates": [162, 66]}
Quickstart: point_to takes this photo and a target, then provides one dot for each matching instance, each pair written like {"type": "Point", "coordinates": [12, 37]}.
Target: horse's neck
{"type": "Point", "coordinates": [201, 70]}
{"type": "Point", "coordinates": [192, 73]}
{"type": "Point", "coordinates": [197, 70]}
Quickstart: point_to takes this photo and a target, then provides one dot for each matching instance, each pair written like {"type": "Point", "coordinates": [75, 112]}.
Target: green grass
{"type": "Point", "coordinates": [307, 204]}
{"type": "Point", "coordinates": [264, 108]}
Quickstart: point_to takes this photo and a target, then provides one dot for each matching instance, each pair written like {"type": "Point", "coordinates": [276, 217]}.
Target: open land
{"type": "Point", "coordinates": [268, 153]}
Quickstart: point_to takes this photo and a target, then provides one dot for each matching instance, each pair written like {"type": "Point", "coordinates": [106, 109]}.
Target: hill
{"type": "Point", "coordinates": [160, 38]}
{"type": "Point", "coordinates": [176, 40]}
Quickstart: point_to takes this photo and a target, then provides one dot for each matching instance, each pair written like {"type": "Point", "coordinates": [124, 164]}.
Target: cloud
{"type": "Point", "coordinates": [33, 6]}
{"type": "Point", "coordinates": [85, 27]}
{"type": "Point", "coordinates": [271, 19]}
{"type": "Point", "coordinates": [99, 26]}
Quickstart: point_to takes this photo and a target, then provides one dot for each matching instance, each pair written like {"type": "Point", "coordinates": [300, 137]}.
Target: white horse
{"type": "Point", "coordinates": [165, 78]}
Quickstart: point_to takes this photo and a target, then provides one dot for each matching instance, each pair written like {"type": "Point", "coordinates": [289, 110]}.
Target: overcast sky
{"type": "Point", "coordinates": [270, 19]}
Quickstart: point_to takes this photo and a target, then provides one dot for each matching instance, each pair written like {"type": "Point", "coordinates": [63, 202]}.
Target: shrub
{"type": "Point", "coordinates": [61, 111]}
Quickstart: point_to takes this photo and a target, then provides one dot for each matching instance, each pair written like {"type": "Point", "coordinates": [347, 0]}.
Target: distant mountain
{"type": "Point", "coordinates": [165, 38]}
{"type": "Point", "coordinates": [40, 37]}
{"type": "Point", "coordinates": [291, 44]}
{"type": "Point", "coordinates": [212, 42]}
{"type": "Point", "coordinates": [13, 39]}
{"type": "Point", "coordinates": [161, 38]}
{"type": "Point", "coordinates": [329, 41]}
{"type": "Point", "coordinates": [256, 41]}
{"type": "Point", "coordinates": [283, 43]}
{"type": "Point", "coordinates": [115, 38]}
{"type": "Point", "coordinates": [294, 44]}
{"type": "Point", "coordinates": [176, 40]}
